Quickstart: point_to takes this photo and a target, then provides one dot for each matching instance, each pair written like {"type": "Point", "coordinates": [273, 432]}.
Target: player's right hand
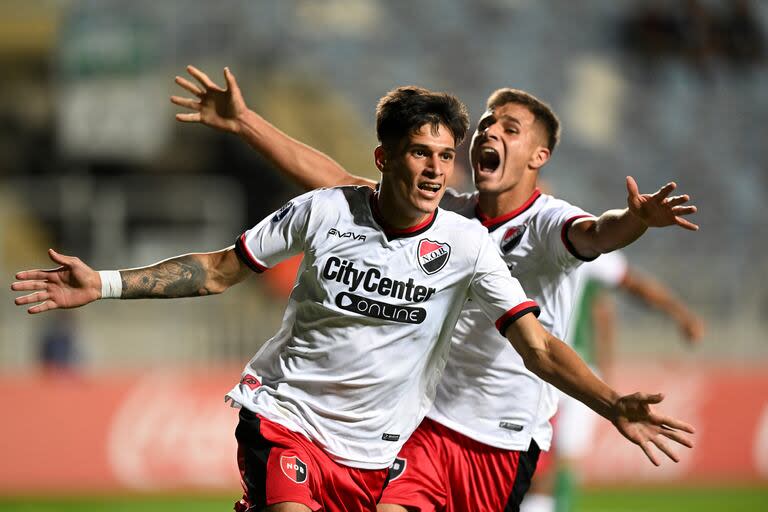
{"type": "Point", "coordinates": [71, 285]}
{"type": "Point", "coordinates": [215, 106]}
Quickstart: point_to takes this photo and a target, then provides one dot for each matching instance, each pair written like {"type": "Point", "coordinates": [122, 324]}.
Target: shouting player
{"type": "Point", "coordinates": [478, 449]}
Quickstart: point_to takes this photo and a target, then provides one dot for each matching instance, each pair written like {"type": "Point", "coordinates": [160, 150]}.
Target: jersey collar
{"type": "Point", "coordinates": [494, 222]}
{"type": "Point", "coordinates": [393, 233]}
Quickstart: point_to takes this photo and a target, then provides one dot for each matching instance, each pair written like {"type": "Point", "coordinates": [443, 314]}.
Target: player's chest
{"type": "Point", "coordinates": [518, 246]}
{"type": "Point", "coordinates": [362, 261]}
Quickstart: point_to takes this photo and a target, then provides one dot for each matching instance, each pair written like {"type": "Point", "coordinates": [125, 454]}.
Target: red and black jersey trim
{"type": "Point", "coordinates": [493, 223]}
{"type": "Point", "coordinates": [242, 251]}
{"type": "Point", "coordinates": [564, 237]}
{"type": "Point", "coordinates": [393, 233]}
{"type": "Point", "coordinates": [516, 312]}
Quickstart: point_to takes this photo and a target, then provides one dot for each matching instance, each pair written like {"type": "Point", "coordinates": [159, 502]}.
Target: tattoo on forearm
{"type": "Point", "coordinates": [184, 276]}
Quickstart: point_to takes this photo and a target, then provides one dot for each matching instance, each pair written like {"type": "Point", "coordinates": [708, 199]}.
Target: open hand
{"type": "Point", "coordinates": [637, 422]}
{"type": "Point", "coordinates": [215, 107]}
{"type": "Point", "coordinates": [71, 285]}
{"type": "Point", "coordinates": [659, 210]}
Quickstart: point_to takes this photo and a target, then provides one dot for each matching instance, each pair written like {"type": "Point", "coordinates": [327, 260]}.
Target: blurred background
{"type": "Point", "coordinates": [126, 398]}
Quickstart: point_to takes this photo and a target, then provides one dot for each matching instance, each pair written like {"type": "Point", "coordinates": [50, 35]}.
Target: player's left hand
{"type": "Point", "coordinates": [659, 210]}
{"type": "Point", "coordinates": [637, 422]}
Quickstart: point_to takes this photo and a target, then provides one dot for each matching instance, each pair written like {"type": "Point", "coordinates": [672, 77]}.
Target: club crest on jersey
{"type": "Point", "coordinates": [433, 255]}
{"type": "Point", "coordinates": [294, 468]}
{"type": "Point", "coordinates": [512, 237]}
{"type": "Point", "coordinates": [397, 468]}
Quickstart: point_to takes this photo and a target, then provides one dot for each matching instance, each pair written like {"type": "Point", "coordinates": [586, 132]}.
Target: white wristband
{"type": "Point", "coordinates": [111, 284]}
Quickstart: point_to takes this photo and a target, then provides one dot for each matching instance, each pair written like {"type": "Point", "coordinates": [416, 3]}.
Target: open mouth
{"type": "Point", "coordinates": [429, 187]}
{"type": "Point", "coordinates": [488, 159]}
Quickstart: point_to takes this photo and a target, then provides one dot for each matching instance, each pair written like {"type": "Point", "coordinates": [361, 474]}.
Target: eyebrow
{"type": "Point", "coordinates": [490, 117]}
{"type": "Point", "coordinates": [418, 145]}
{"type": "Point", "coordinates": [508, 117]}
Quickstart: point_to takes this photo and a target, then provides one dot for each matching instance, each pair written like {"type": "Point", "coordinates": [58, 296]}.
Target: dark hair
{"type": "Point", "coordinates": [403, 111]}
{"type": "Point", "coordinates": [541, 111]}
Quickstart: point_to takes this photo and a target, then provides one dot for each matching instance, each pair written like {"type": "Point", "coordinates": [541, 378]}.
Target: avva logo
{"type": "Point", "coordinates": [433, 255]}
{"type": "Point", "coordinates": [282, 212]}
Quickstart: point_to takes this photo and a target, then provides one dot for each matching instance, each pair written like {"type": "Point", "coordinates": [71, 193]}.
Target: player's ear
{"type": "Point", "coordinates": [380, 157]}
{"type": "Point", "coordinates": [539, 157]}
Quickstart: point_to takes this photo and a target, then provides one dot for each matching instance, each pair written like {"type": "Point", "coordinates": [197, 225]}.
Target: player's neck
{"type": "Point", "coordinates": [393, 216]}
{"type": "Point", "coordinates": [498, 204]}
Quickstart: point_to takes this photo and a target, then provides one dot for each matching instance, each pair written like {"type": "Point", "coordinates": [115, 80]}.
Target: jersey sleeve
{"type": "Point", "coordinates": [608, 270]}
{"type": "Point", "coordinates": [553, 225]}
{"type": "Point", "coordinates": [278, 236]}
{"type": "Point", "coordinates": [498, 294]}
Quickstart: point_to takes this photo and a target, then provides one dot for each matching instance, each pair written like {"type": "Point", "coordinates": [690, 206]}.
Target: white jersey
{"type": "Point", "coordinates": [486, 393]}
{"type": "Point", "coordinates": [367, 329]}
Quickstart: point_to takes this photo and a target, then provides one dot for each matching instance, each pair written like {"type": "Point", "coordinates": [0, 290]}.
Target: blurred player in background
{"type": "Point", "coordinates": [480, 444]}
{"type": "Point", "coordinates": [328, 402]}
{"type": "Point", "coordinates": [592, 334]}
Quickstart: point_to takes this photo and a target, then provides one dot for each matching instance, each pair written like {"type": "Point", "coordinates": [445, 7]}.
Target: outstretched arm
{"type": "Point", "coordinates": [225, 110]}
{"type": "Point", "coordinates": [556, 363]}
{"type": "Point", "coordinates": [615, 229]}
{"type": "Point", "coordinates": [658, 296]}
{"type": "Point", "coordinates": [73, 283]}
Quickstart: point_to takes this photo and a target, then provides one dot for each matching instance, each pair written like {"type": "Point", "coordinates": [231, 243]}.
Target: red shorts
{"type": "Point", "coordinates": [439, 469]}
{"type": "Point", "coordinates": [278, 465]}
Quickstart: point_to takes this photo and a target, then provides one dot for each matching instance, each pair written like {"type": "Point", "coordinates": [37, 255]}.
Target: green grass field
{"type": "Point", "coordinates": [751, 499]}
{"type": "Point", "coordinates": [708, 499]}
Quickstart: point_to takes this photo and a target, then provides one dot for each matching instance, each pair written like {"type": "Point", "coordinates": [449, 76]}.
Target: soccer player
{"type": "Point", "coordinates": [592, 335]}
{"type": "Point", "coordinates": [479, 447]}
{"type": "Point", "coordinates": [328, 402]}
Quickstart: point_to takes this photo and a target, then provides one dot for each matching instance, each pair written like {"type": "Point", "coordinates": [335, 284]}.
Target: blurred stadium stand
{"type": "Point", "coordinates": [94, 165]}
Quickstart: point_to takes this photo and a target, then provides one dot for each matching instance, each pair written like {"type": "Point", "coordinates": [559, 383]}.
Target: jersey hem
{"type": "Point", "coordinates": [521, 445]}
{"type": "Point", "coordinates": [294, 427]}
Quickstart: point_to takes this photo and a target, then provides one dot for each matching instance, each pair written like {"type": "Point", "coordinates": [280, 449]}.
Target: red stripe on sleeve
{"type": "Point", "coordinates": [258, 267]}
{"type": "Point", "coordinates": [513, 314]}
{"type": "Point", "coordinates": [567, 243]}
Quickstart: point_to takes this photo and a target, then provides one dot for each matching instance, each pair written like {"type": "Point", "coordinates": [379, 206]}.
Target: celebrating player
{"type": "Point", "coordinates": [479, 447]}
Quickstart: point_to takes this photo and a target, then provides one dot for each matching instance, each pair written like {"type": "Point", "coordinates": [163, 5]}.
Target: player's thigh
{"type": "Point", "coordinates": [484, 478]}
{"type": "Point", "coordinates": [276, 468]}
{"type": "Point", "coordinates": [417, 479]}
